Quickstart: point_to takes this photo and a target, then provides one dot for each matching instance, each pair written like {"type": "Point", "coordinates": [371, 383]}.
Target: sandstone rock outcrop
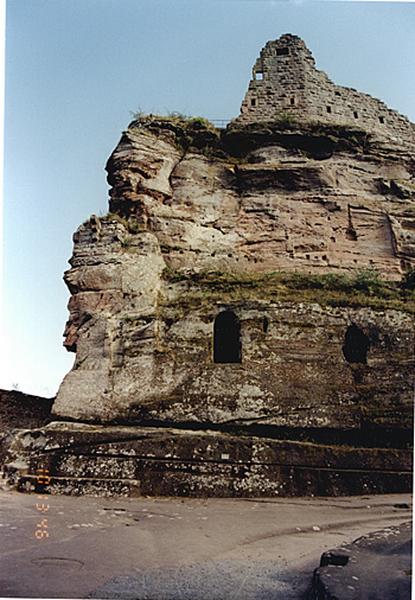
{"type": "Point", "coordinates": [197, 231]}
{"type": "Point", "coordinates": [246, 281]}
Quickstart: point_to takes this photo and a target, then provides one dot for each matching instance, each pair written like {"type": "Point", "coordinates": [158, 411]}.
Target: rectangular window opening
{"type": "Point", "coordinates": [253, 101]}
{"type": "Point", "coordinates": [356, 116]}
{"type": "Point", "coordinates": [381, 120]}
{"type": "Point", "coordinates": [282, 51]}
{"type": "Point", "coordinates": [328, 109]}
{"type": "Point", "coordinates": [259, 76]}
{"type": "Point", "coordinates": [292, 101]}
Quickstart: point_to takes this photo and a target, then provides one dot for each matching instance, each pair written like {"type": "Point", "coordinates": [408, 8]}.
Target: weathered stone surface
{"type": "Point", "coordinates": [232, 285]}
{"type": "Point", "coordinates": [285, 83]}
{"type": "Point", "coordinates": [87, 459]}
{"type": "Point", "coordinates": [276, 209]}
{"type": "Point", "coordinates": [20, 411]}
{"type": "Point", "coordinates": [377, 565]}
{"type": "Point", "coordinates": [144, 338]}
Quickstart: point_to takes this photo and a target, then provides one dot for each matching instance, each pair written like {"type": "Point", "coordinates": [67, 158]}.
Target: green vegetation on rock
{"type": "Point", "coordinates": [364, 288]}
{"type": "Point", "coordinates": [237, 140]}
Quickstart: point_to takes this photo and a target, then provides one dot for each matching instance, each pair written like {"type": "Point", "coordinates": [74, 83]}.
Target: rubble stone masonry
{"type": "Point", "coordinates": [285, 83]}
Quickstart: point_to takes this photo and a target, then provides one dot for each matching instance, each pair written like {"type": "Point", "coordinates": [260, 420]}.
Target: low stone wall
{"type": "Point", "coordinates": [84, 459]}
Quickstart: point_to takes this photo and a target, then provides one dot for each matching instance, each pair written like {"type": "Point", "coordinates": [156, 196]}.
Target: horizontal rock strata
{"type": "Point", "coordinates": [242, 317]}
{"type": "Point", "coordinates": [197, 230]}
{"type": "Point", "coordinates": [84, 459]}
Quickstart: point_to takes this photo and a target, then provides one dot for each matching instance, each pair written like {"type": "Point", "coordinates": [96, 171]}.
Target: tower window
{"type": "Point", "coordinates": [282, 51]}
{"type": "Point", "coordinates": [227, 338]}
{"type": "Point", "coordinates": [265, 324]}
{"type": "Point", "coordinates": [253, 101]}
{"type": "Point", "coordinates": [356, 116]}
{"type": "Point", "coordinates": [328, 108]}
{"type": "Point", "coordinates": [292, 101]}
{"type": "Point", "coordinates": [381, 120]}
{"type": "Point", "coordinates": [259, 76]}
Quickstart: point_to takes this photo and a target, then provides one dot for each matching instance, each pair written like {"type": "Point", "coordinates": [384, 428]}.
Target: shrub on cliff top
{"type": "Point", "coordinates": [176, 117]}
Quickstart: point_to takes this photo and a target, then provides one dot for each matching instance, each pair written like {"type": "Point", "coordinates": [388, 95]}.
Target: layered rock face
{"type": "Point", "coordinates": [238, 316]}
{"type": "Point", "coordinates": [198, 231]}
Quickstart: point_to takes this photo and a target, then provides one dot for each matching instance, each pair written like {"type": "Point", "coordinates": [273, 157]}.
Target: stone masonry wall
{"type": "Point", "coordinates": [286, 82]}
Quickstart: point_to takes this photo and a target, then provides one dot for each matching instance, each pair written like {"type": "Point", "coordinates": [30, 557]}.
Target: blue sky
{"type": "Point", "coordinates": [74, 71]}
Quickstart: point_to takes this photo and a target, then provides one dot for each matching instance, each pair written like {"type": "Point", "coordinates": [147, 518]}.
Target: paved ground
{"type": "Point", "coordinates": [177, 549]}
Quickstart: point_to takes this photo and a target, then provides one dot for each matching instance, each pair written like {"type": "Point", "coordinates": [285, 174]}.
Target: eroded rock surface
{"type": "Point", "coordinates": [254, 281]}
{"type": "Point", "coordinates": [88, 459]}
{"type": "Point", "coordinates": [200, 229]}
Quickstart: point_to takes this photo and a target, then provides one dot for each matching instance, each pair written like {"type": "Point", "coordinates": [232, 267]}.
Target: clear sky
{"type": "Point", "coordinates": [74, 71]}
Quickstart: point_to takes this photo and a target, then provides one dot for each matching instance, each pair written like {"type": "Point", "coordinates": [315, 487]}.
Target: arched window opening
{"type": "Point", "coordinates": [227, 338]}
{"type": "Point", "coordinates": [356, 345]}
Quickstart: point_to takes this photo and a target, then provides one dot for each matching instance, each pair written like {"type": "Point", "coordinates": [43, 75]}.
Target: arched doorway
{"type": "Point", "coordinates": [227, 338]}
{"type": "Point", "coordinates": [356, 345]}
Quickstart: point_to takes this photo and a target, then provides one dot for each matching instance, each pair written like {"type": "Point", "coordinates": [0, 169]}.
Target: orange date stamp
{"type": "Point", "coordinates": [42, 528]}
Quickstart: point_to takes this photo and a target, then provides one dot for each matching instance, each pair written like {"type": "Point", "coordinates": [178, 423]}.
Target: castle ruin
{"type": "Point", "coordinates": [285, 81]}
{"type": "Point", "coordinates": [242, 317]}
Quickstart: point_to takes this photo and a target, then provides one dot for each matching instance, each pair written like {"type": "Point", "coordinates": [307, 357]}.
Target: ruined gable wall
{"type": "Point", "coordinates": [292, 85]}
{"type": "Point", "coordinates": [278, 82]}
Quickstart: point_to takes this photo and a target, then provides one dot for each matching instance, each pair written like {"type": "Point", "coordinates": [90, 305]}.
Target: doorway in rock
{"type": "Point", "coordinates": [356, 345]}
{"type": "Point", "coordinates": [227, 338]}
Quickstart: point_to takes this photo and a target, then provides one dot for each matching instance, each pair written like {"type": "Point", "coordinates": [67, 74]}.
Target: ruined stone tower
{"type": "Point", "coordinates": [242, 318]}
{"type": "Point", "coordinates": [285, 83]}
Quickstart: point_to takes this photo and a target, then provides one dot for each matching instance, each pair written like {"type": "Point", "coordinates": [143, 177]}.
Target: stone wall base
{"type": "Point", "coordinates": [77, 459]}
